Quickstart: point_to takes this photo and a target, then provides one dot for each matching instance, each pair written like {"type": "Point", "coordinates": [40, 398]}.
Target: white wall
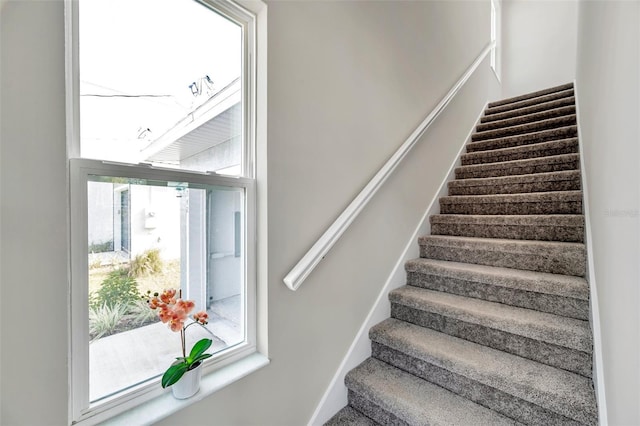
{"type": "Point", "coordinates": [33, 227]}
{"type": "Point", "coordinates": [608, 82]}
{"type": "Point", "coordinates": [348, 82]}
{"type": "Point", "coordinates": [539, 44]}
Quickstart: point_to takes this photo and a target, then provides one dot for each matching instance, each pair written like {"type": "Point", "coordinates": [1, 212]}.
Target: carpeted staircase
{"type": "Point", "coordinates": [492, 327]}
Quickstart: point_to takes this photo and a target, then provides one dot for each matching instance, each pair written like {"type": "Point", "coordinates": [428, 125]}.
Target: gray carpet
{"type": "Point", "coordinates": [492, 327]}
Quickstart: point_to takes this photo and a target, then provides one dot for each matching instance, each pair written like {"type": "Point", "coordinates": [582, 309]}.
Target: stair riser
{"type": "Point", "coordinates": [523, 140]}
{"type": "Point", "coordinates": [558, 305]}
{"type": "Point", "coordinates": [529, 102]}
{"type": "Point", "coordinates": [479, 172]}
{"type": "Point", "coordinates": [555, 207]}
{"type": "Point", "coordinates": [525, 119]}
{"type": "Point", "coordinates": [515, 188]}
{"type": "Point", "coordinates": [373, 411]}
{"type": "Point", "coordinates": [558, 103]}
{"type": "Point", "coordinates": [554, 261]}
{"type": "Point", "coordinates": [536, 350]}
{"type": "Point", "coordinates": [554, 123]}
{"type": "Point", "coordinates": [502, 402]}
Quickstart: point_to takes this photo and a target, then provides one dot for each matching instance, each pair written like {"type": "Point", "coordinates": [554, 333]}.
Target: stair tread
{"type": "Point", "coordinates": [532, 197]}
{"type": "Point", "coordinates": [543, 106]}
{"type": "Point", "coordinates": [532, 149]}
{"type": "Point", "coordinates": [539, 282]}
{"type": "Point", "coordinates": [549, 328]}
{"type": "Point", "coordinates": [414, 400]}
{"type": "Point", "coordinates": [529, 138]}
{"type": "Point", "coordinates": [563, 392]}
{"type": "Point", "coordinates": [350, 416]}
{"type": "Point", "coordinates": [529, 177]}
{"type": "Point", "coordinates": [527, 118]}
{"type": "Point", "coordinates": [503, 219]}
{"type": "Point", "coordinates": [516, 164]}
{"type": "Point", "coordinates": [526, 128]}
{"type": "Point", "coordinates": [501, 244]}
{"type": "Point", "coordinates": [531, 95]}
{"type": "Point", "coordinates": [493, 109]}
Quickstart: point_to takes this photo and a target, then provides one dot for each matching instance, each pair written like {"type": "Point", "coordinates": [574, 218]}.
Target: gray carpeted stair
{"type": "Point", "coordinates": [493, 324]}
{"type": "Point", "coordinates": [527, 118]}
{"type": "Point", "coordinates": [542, 106]}
{"type": "Point", "coordinates": [568, 228]}
{"type": "Point", "coordinates": [514, 386]}
{"type": "Point", "coordinates": [391, 396]}
{"type": "Point", "coordinates": [553, 293]}
{"type": "Point", "coordinates": [520, 139]}
{"type": "Point", "coordinates": [542, 256]}
{"type": "Point", "coordinates": [554, 163]}
{"type": "Point", "coordinates": [568, 180]}
{"type": "Point", "coordinates": [537, 150]}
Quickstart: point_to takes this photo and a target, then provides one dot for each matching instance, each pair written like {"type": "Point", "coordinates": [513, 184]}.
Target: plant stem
{"type": "Point", "coordinates": [182, 340]}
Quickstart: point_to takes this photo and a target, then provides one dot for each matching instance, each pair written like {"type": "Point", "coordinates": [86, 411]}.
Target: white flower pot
{"type": "Point", "coordinates": [188, 385]}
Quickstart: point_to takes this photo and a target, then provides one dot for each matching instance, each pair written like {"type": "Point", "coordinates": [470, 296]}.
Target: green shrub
{"type": "Point", "coordinates": [147, 263]}
{"type": "Point", "coordinates": [104, 320]}
{"type": "Point", "coordinates": [117, 289]}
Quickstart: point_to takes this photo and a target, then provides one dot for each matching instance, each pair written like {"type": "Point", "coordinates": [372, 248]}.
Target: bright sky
{"type": "Point", "coordinates": [147, 47]}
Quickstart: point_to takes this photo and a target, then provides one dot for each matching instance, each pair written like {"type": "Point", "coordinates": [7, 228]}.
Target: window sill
{"type": "Point", "coordinates": [164, 405]}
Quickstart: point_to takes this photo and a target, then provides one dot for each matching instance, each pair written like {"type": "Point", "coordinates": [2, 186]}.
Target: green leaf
{"type": "Point", "coordinates": [201, 357]}
{"type": "Point", "coordinates": [173, 374]}
{"type": "Point", "coordinates": [198, 349]}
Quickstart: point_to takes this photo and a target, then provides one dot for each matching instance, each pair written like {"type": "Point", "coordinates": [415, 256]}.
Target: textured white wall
{"type": "Point", "coordinates": [538, 44]}
{"type": "Point", "coordinates": [348, 82]}
{"type": "Point", "coordinates": [608, 81]}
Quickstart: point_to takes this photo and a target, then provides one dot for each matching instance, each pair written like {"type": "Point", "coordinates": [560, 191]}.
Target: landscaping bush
{"type": "Point", "coordinates": [117, 289]}
{"type": "Point", "coordinates": [104, 320]}
{"type": "Point", "coordinates": [147, 263]}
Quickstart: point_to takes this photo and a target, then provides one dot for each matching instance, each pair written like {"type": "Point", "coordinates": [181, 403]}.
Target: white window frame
{"type": "Point", "coordinates": [496, 37]}
{"type": "Point", "coordinates": [148, 402]}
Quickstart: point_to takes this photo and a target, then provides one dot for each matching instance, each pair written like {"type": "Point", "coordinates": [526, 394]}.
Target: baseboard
{"type": "Point", "coordinates": [336, 395]}
{"type": "Point", "coordinates": [598, 369]}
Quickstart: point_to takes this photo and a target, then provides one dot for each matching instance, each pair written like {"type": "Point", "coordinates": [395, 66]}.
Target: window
{"type": "Point", "coordinates": [162, 184]}
{"type": "Point", "coordinates": [495, 37]}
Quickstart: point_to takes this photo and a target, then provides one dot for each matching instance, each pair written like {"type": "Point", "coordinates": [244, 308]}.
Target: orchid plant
{"type": "Point", "coordinates": [175, 312]}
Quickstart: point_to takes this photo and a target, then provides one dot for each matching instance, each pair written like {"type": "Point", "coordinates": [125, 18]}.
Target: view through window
{"type": "Point", "coordinates": [160, 84]}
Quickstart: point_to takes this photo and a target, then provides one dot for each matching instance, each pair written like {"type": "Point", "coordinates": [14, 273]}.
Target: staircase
{"type": "Point", "coordinates": [492, 327]}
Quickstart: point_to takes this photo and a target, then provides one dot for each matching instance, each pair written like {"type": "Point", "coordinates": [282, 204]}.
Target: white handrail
{"type": "Point", "coordinates": [310, 260]}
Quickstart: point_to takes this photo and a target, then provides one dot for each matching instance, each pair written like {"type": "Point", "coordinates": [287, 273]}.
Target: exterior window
{"type": "Point", "coordinates": [495, 37]}
{"type": "Point", "coordinates": [162, 190]}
